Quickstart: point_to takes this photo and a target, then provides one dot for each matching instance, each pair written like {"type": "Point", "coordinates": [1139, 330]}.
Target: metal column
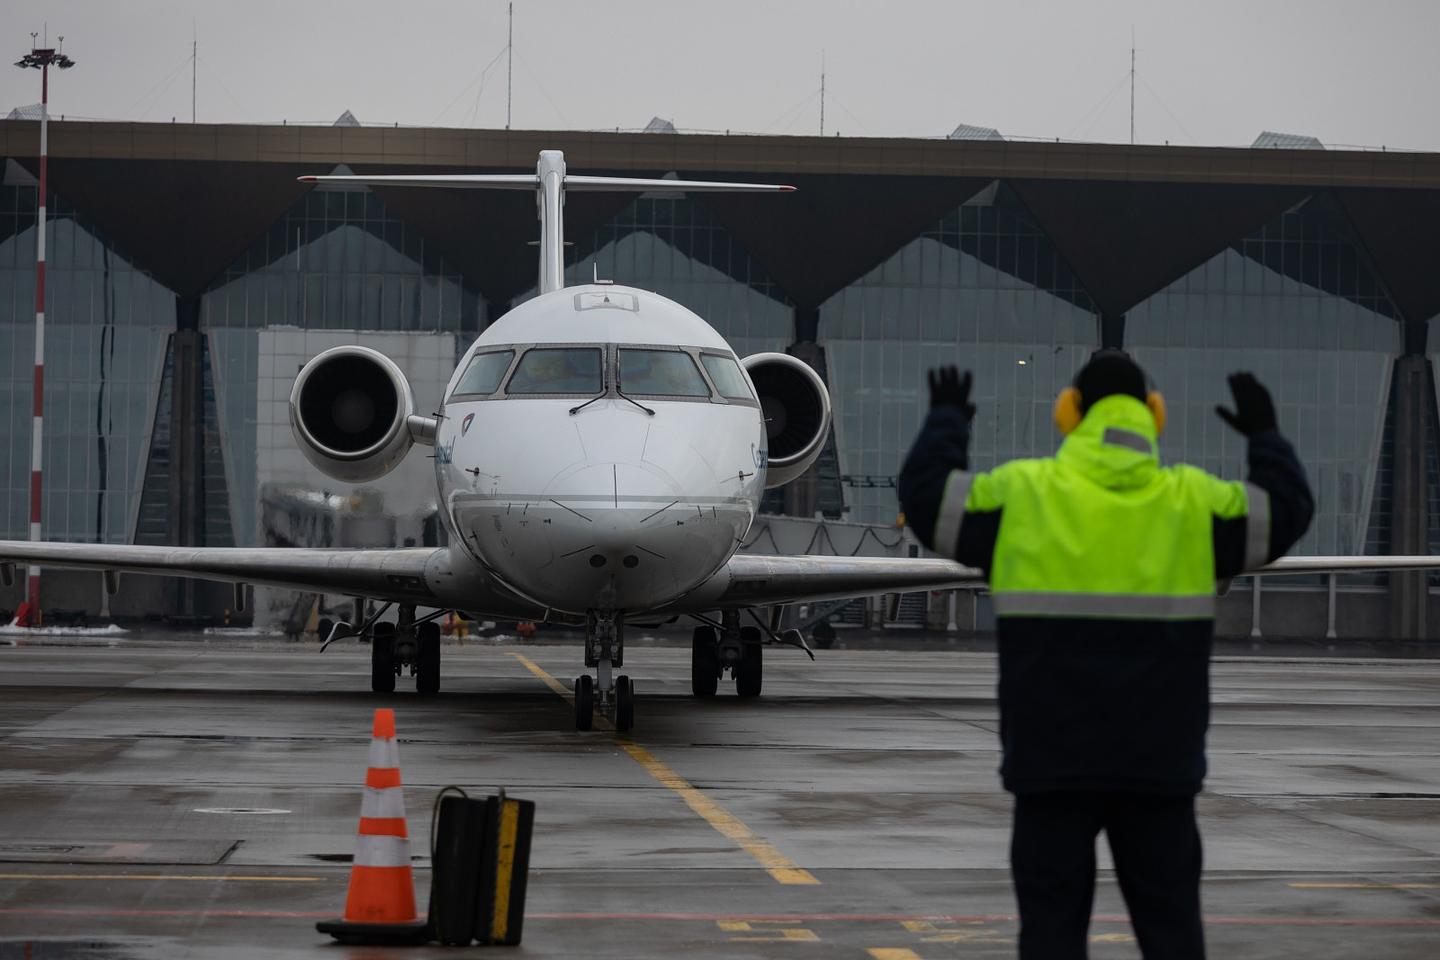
{"type": "Point", "coordinates": [1409, 525]}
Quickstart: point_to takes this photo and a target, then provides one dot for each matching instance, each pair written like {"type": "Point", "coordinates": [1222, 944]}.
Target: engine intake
{"type": "Point", "coordinates": [350, 410]}
{"type": "Point", "coordinates": [796, 407]}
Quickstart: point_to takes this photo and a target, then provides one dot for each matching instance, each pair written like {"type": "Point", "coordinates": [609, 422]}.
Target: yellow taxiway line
{"type": "Point", "coordinates": [775, 863]}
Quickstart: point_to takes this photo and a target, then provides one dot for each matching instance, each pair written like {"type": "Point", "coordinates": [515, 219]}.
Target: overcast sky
{"type": "Point", "coordinates": [1209, 71]}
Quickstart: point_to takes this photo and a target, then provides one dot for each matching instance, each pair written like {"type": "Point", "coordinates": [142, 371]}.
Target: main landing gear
{"type": "Point", "coordinates": [734, 648]}
{"type": "Point", "coordinates": [395, 646]}
{"type": "Point", "coordinates": [612, 696]}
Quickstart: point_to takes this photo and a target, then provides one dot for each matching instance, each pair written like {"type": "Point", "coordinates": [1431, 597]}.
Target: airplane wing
{"type": "Point", "coordinates": [752, 580]}
{"type": "Point", "coordinates": [426, 576]}
{"type": "Point", "coordinates": [418, 575]}
{"type": "Point", "coordinates": [1299, 565]}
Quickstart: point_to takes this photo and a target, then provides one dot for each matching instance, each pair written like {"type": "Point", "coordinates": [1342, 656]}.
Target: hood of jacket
{"type": "Point", "coordinates": [1115, 445]}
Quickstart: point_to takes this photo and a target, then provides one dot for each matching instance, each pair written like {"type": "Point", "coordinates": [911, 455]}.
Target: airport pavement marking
{"type": "Point", "coordinates": [1364, 886]}
{"type": "Point", "coordinates": [946, 931]}
{"type": "Point", "coordinates": [185, 878]}
{"type": "Point", "coordinates": [775, 863]}
{"type": "Point", "coordinates": [893, 953]}
{"type": "Point", "coordinates": [770, 931]}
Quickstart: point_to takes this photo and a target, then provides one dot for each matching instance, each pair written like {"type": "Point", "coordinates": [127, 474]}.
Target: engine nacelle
{"type": "Point", "coordinates": [351, 411]}
{"type": "Point", "coordinates": [796, 407]}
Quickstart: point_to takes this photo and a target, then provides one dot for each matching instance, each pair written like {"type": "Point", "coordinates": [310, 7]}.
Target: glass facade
{"type": "Point", "coordinates": [107, 326]}
{"type": "Point", "coordinates": [672, 246]}
{"type": "Point", "coordinates": [335, 269]}
{"type": "Point", "coordinates": [337, 261]}
{"type": "Point", "coordinates": [984, 289]}
{"type": "Point", "coordinates": [1297, 304]}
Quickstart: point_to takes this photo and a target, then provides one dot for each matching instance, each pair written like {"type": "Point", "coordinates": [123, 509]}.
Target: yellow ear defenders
{"type": "Point", "coordinates": [1068, 412]}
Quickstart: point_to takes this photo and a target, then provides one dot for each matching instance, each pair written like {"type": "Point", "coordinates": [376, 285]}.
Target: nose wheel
{"type": "Point", "coordinates": [610, 695]}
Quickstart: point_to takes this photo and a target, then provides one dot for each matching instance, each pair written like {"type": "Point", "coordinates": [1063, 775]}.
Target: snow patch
{"type": "Point", "coordinates": [11, 630]}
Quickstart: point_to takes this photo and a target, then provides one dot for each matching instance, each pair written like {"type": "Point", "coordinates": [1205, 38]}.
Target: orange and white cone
{"type": "Point", "coordinates": [380, 904]}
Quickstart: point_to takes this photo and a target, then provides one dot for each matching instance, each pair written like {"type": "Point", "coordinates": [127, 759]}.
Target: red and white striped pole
{"type": "Point", "coordinates": [40, 58]}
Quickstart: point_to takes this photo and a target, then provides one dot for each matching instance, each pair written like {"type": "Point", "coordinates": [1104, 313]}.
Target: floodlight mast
{"type": "Point", "coordinates": [42, 59]}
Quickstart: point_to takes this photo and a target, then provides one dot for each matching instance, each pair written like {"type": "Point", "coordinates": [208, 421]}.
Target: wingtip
{"type": "Point", "coordinates": [308, 179]}
{"type": "Point", "coordinates": [786, 188]}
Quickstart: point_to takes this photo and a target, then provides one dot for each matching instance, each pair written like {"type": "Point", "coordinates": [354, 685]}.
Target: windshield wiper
{"type": "Point", "coordinates": [575, 410]}
{"type": "Point", "coordinates": [621, 393]}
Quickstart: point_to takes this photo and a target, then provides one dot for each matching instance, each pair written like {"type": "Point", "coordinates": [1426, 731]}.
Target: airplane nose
{"type": "Point", "coordinates": [617, 485]}
{"type": "Point", "coordinates": [644, 537]}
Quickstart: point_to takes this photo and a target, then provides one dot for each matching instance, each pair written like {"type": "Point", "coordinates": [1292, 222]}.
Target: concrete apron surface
{"type": "Point", "coordinates": [200, 798]}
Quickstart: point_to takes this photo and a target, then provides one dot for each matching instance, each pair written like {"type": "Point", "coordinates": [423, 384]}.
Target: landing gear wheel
{"type": "Point", "coordinates": [382, 658]}
{"type": "Point", "coordinates": [750, 671]}
{"type": "Point", "coordinates": [584, 702]}
{"type": "Point", "coordinates": [624, 703]}
{"type": "Point", "coordinates": [704, 662]}
{"type": "Point", "coordinates": [427, 666]}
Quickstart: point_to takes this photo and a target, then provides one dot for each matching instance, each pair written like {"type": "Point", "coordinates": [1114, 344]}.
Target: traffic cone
{"type": "Point", "coordinates": [380, 904]}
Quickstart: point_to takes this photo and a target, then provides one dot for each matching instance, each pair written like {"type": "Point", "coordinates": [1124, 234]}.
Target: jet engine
{"type": "Point", "coordinates": [796, 408]}
{"type": "Point", "coordinates": [351, 410]}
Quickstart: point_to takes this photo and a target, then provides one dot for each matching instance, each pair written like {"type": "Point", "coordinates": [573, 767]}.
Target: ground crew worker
{"type": "Point", "coordinates": [1102, 565]}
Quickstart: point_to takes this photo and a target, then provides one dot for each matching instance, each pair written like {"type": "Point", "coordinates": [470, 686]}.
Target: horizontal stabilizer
{"type": "Point", "coordinates": [549, 181]}
{"type": "Point", "coordinates": [528, 181]}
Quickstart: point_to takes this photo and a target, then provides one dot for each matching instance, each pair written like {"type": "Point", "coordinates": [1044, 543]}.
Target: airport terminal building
{"type": "Point", "coordinates": [189, 276]}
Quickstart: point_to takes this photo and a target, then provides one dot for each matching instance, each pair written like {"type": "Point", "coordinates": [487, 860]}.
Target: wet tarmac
{"type": "Point", "coordinates": [199, 798]}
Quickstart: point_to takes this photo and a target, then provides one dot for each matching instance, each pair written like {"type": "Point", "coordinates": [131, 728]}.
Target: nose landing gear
{"type": "Point", "coordinates": [612, 696]}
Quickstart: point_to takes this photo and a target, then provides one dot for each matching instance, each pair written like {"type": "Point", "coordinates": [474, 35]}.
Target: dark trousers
{"type": "Point", "coordinates": [1156, 848]}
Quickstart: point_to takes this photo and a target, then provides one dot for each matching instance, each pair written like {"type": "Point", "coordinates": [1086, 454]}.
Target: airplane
{"type": "Point", "coordinates": [600, 453]}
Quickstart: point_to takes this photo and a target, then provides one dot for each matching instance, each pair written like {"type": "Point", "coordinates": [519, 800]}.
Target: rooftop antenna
{"type": "Point", "coordinates": [822, 93]}
{"type": "Point", "coordinates": [509, 64]}
{"type": "Point", "coordinates": [1132, 84]}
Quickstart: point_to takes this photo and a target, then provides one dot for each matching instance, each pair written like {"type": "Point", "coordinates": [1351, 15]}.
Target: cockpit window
{"type": "Point", "coordinates": [726, 375]}
{"type": "Point", "coordinates": [557, 370]}
{"type": "Point", "coordinates": [660, 373]}
{"type": "Point", "coordinates": [484, 374]}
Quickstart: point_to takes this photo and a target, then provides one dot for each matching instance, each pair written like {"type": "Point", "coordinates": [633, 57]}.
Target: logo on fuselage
{"type": "Point", "coordinates": [465, 424]}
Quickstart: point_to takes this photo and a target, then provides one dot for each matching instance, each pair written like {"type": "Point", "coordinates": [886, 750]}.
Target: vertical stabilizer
{"type": "Point", "coordinates": [550, 171]}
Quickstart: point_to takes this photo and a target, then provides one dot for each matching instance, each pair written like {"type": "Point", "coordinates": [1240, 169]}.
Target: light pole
{"type": "Point", "coordinates": [42, 59]}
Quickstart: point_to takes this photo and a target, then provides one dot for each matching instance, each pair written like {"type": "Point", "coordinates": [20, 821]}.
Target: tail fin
{"type": "Point", "coordinates": [550, 183]}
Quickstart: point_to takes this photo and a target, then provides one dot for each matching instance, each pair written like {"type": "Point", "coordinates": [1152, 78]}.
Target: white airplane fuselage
{"type": "Point", "coordinates": [577, 503]}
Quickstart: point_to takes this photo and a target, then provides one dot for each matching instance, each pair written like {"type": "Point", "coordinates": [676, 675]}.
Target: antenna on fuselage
{"type": "Point", "coordinates": [550, 181]}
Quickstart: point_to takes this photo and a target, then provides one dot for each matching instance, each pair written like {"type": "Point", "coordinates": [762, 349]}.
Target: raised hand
{"type": "Point", "coordinates": [1254, 411]}
{"type": "Point", "coordinates": [950, 388]}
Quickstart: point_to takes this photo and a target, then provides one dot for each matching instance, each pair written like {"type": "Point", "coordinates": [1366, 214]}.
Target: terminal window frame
{"type": "Point", "coordinates": [527, 350]}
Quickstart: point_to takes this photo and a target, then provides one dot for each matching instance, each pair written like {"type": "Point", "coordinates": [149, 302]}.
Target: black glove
{"type": "Point", "coordinates": [1254, 410]}
{"type": "Point", "coordinates": [948, 388]}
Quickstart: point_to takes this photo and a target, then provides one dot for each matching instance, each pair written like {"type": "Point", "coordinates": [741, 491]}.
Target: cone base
{"type": "Point", "coordinates": [376, 933]}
